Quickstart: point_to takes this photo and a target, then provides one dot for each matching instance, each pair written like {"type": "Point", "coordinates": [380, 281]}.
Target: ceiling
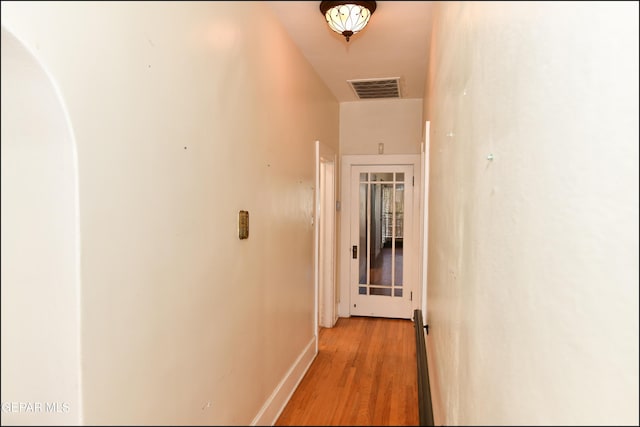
{"type": "Point", "coordinates": [395, 43]}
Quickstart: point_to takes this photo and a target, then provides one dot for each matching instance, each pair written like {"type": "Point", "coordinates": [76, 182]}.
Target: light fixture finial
{"type": "Point", "coordinates": [347, 17]}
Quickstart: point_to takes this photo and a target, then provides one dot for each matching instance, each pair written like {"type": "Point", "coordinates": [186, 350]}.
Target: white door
{"type": "Point", "coordinates": [381, 241]}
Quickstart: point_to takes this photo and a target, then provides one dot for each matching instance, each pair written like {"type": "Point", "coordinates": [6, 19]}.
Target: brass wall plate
{"type": "Point", "coordinates": [243, 225]}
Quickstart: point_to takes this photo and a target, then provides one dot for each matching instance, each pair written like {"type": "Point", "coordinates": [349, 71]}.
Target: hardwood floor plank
{"type": "Point", "coordinates": [364, 374]}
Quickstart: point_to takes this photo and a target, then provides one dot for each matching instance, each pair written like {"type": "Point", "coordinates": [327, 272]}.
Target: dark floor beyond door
{"type": "Point", "coordinates": [365, 374]}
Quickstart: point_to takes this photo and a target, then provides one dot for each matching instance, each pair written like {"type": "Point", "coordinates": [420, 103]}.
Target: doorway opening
{"type": "Point", "coordinates": [325, 232]}
{"type": "Point", "coordinates": [380, 268]}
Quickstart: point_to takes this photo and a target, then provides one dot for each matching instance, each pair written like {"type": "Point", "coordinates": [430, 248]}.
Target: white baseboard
{"type": "Point", "coordinates": [275, 404]}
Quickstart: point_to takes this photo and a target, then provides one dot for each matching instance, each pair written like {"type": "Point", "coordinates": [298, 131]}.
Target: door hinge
{"type": "Point", "coordinates": [413, 181]}
{"type": "Point", "coordinates": [411, 296]}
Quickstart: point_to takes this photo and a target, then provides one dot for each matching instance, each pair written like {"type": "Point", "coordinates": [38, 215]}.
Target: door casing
{"type": "Point", "coordinates": [326, 312]}
{"type": "Point", "coordinates": [347, 161]}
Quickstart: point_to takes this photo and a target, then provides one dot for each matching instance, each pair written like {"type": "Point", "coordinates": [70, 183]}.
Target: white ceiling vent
{"type": "Point", "coordinates": [376, 88]}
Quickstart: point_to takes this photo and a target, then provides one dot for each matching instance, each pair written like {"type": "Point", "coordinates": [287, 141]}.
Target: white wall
{"type": "Point", "coordinates": [395, 122]}
{"type": "Point", "coordinates": [363, 125]}
{"type": "Point", "coordinates": [40, 246]}
{"type": "Point", "coordinates": [185, 113]}
{"type": "Point", "coordinates": [533, 257]}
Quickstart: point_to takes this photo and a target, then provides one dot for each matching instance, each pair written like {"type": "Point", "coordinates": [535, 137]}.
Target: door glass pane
{"type": "Point", "coordinates": [363, 244]}
{"type": "Point", "coordinates": [382, 176]}
{"type": "Point", "coordinates": [380, 291]}
{"type": "Point", "coordinates": [399, 222]}
{"type": "Point", "coordinates": [381, 233]}
{"type": "Point", "coordinates": [381, 227]}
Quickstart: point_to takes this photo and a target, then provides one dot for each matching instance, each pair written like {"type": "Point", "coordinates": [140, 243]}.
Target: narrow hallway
{"type": "Point", "coordinates": [364, 374]}
{"type": "Point", "coordinates": [189, 189]}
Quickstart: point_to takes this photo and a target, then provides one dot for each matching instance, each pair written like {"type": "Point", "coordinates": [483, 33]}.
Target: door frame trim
{"type": "Point", "coordinates": [347, 161]}
{"type": "Point", "coordinates": [324, 154]}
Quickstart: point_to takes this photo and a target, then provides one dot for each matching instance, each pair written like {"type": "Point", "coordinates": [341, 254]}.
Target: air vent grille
{"type": "Point", "coordinates": [376, 88]}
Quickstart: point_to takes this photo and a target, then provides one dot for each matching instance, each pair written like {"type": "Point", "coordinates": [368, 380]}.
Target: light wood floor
{"type": "Point", "coordinates": [364, 374]}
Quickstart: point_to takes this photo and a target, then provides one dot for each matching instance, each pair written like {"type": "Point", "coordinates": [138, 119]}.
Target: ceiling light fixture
{"type": "Point", "coordinates": [347, 17]}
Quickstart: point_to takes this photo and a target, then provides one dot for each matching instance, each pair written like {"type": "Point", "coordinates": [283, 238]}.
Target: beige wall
{"type": "Point", "coordinates": [533, 257]}
{"type": "Point", "coordinates": [395, 122]}
{"type": "Point", "coordinates": [185, 113]}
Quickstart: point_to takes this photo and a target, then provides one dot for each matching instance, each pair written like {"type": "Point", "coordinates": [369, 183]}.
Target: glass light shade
{"type": "Point", "coordinates": [348, 18]}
